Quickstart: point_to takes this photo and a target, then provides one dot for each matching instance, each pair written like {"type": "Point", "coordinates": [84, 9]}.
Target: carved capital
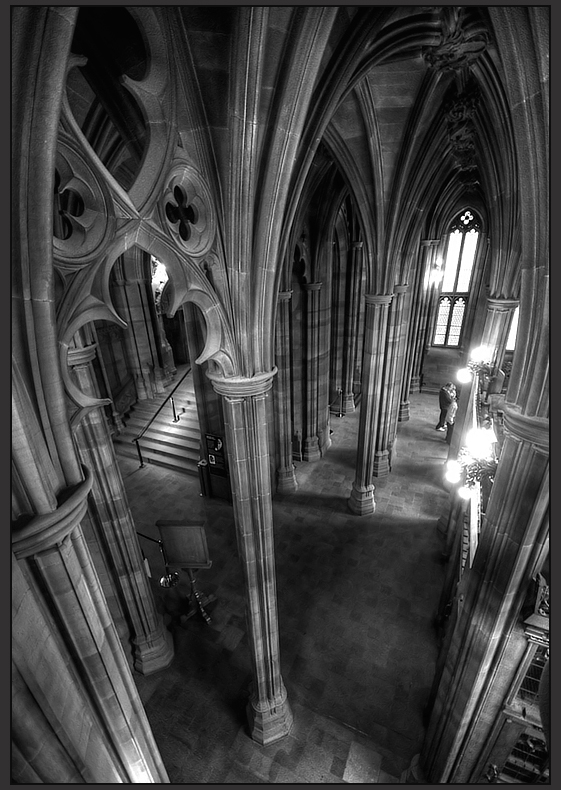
{"type": "Point", "coordinates": [457, 46]}
{"type": "Point", "coordinates": [240, 387]}
{"type": "Point", "coordinates": [378, 299]}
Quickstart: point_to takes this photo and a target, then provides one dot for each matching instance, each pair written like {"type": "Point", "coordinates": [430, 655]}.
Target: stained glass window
{"type": "Point", "coordinates": [442, 321]}
{"type": "Point", "coordinates": [456, 322]}
{"type": "Point", "coordinates": [461, 249]}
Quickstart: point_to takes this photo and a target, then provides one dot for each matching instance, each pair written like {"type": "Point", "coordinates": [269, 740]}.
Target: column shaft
{"type": "Point", "coordinates": [113, 527]}
{"type": "Point", "coordinates": [65, 646]}
{"type": "Point", "coordinates": [426, 297]}
{"type": "Point", "coordinates": [497, 325]}
{"type": "Point", "coordinates": [311, 451]}
{"type": "Point", "coordinates": [393, 369]}
{"type": "Point", "coordinates": [352, 300]}
{"type": "Point", "coordinates": [361, 500]}
{"type": "Point", "coordinates": [245, 417]}
{"type": "Point", "coordinates": [286, 478]}
{"type": "Point", "coordinates": [131, 300]}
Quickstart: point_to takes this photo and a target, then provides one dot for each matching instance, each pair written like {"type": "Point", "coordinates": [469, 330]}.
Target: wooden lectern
{"type": "Point", "coordinates": [186, 548]}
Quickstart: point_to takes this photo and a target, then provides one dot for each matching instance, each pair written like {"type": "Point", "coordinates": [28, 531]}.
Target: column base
{"type": "Point", "coordinates": [348, 405]}
{"type": "Point", "coordinates": [154, 652]}
{"type": "Point", "coordinates": [159, 380]}
{"type": "Point", "coordinates": [381, 467]}
{"type": "Point", "coordinates": [361, 501]}
{"type": "Point", "coordinates": [286, 481]}
{"type": "Point", "coordinates": [415, 385]}
{"type": "Point", "coordinates": [269, 723]}
{"type": "Point", "coordinates": [325, 440]}
{"type": "Point", "coordinates": [414, 774]}
{"type": "Point", "coordinates": [403, 411]}
{"type": "Point", "coordinates": [311, 450]}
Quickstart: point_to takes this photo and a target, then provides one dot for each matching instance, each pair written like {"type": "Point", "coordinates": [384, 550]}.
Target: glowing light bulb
{"type": "Point", "coordinates": [482, 354]}
{"type": "Point", "coordinates": [463, 375]}
{"type": "Point", "coordinates": [453, 472]}
{"type": "Point", "coordinates": [479, 442]}
{"type": "Point", "coordinates": [464, 492]}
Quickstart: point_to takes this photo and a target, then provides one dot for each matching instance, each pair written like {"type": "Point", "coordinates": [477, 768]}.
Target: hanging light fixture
{"type": "Point", "coordinates": [476, 460]}
{"type": "Point", "coordinates": [480, 359]}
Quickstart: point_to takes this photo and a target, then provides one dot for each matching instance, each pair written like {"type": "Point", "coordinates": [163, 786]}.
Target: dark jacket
{"type": "Point", "coordinates": [444, 398]}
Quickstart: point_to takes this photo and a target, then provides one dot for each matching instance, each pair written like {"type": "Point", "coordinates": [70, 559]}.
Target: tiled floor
{"type": "Point", "coordinates": [357, 598]}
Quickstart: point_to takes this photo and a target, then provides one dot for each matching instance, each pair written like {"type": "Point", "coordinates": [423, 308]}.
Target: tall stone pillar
{"type": "Point", "coordinates": [418, 303]}
{"type": "Point", "coordinates": [470, 689]}
{"type": "Point", "coordinates": [497, 326]}
{"type": "Point", "coordinates": [245, 417]}
{"type": "Point", "coordinates": [131, 296]}
{"type": "Point", "coordinates": [113, 525]}
{"type": "Point", "coordinates": [69, 658]}
{"type": "Point", "coordinates": [426, 299]}
{"type": "Point", "coordinates": [324, 347]}
{"type": "Point", "coordinates": [352, 301]}
{"type": "Point", "coordinates": [310, 450]}
{"type": "Point", "coordinates": [166, 352]}
{"type": "Point", "coordinates": [393, 368]}
{"type": "Point", "coordinates": [514, 530]}
{"type": "Point", "coordinates": [361, 500]}
{"type": "Point", "coordinates": [73, 688]}
{"type": "Point", "coordinates": [286, 478]}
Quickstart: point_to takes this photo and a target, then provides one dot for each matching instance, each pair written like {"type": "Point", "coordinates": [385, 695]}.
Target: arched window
{"type": "Point", "coordinates": [461, 246]}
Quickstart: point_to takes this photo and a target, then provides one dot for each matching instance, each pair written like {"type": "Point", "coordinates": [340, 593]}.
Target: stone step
{"type": "Point", "coordinates": [187, 464]}
{"type": "Point", "coordinates": [175, 445]}
{"type": "Point", "coordinates": [187, 424]}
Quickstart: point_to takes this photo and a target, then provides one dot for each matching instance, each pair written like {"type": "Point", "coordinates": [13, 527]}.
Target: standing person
{"type": "Point", "coordinates": [445, 396]}
{"type": "Point", "coordinates": [451, 419]}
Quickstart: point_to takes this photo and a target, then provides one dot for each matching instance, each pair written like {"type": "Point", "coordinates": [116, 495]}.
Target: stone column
{"type": "Point", "coordinates": [245, 416]}
{"type": "Point", "coordinates": [131, 301]}
{"type": "Point", "coordinates": [324, 340]}
{"type": "Point", "coordinates": [68, 654]}
{"type": "Point", "coordinates": [418, 298]}
{"type": "Point", "coordinates": [497, 326]}
{"type": "Point", "coordinates": [393, 368]}
{"type": "Point", "coordinates": [352, 298]}
{"type": "Point", "coordinates": [311, 451]}
{"type": "Point", "coordinates": [166, 352]}
{"type": "Point", "coordinates": [286, 478]}
{"type": "Point", "coordinates": [361, 500]}
{"type": "Point", "coordinates": [113, 527]}
{"type": "Point", "coordinates": [513, 532]}
{"type": "Point", "coordinates": [73, 686]}
{"type": "Point", "coordinates": [470, 689]}
{"type": "Point", "coordinates": [427, 292]}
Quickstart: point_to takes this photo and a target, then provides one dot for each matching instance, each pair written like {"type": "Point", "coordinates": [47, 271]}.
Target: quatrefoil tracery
{"type": "Point", "coordinates": [187, 208]}
{"type": "Point", "coordinates": [181, 212]}
{"type": "Point", "coordinates": [82, 213]}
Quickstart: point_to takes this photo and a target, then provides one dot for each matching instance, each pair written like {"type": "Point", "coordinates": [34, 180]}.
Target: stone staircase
{"type": "Point", "coordinates": [175, 445]}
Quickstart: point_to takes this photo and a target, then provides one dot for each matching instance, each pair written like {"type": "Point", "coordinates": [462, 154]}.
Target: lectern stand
{"type": "Point", "coordinates": [186, 549]}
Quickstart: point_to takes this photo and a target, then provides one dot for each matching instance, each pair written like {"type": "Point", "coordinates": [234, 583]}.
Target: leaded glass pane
{"type": "Point", "coordinates": [528, 761]}
{"type": "Point", "coordinates": [451, 266]}
{"type": "Point", "coordinates": [530, 686]}
{"type": "Point", "coordinates": [442, 322]}
{"type": "Point", "coordinates": [468, 257]}
{"type": "Point", "coordinates": [456, 322]}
